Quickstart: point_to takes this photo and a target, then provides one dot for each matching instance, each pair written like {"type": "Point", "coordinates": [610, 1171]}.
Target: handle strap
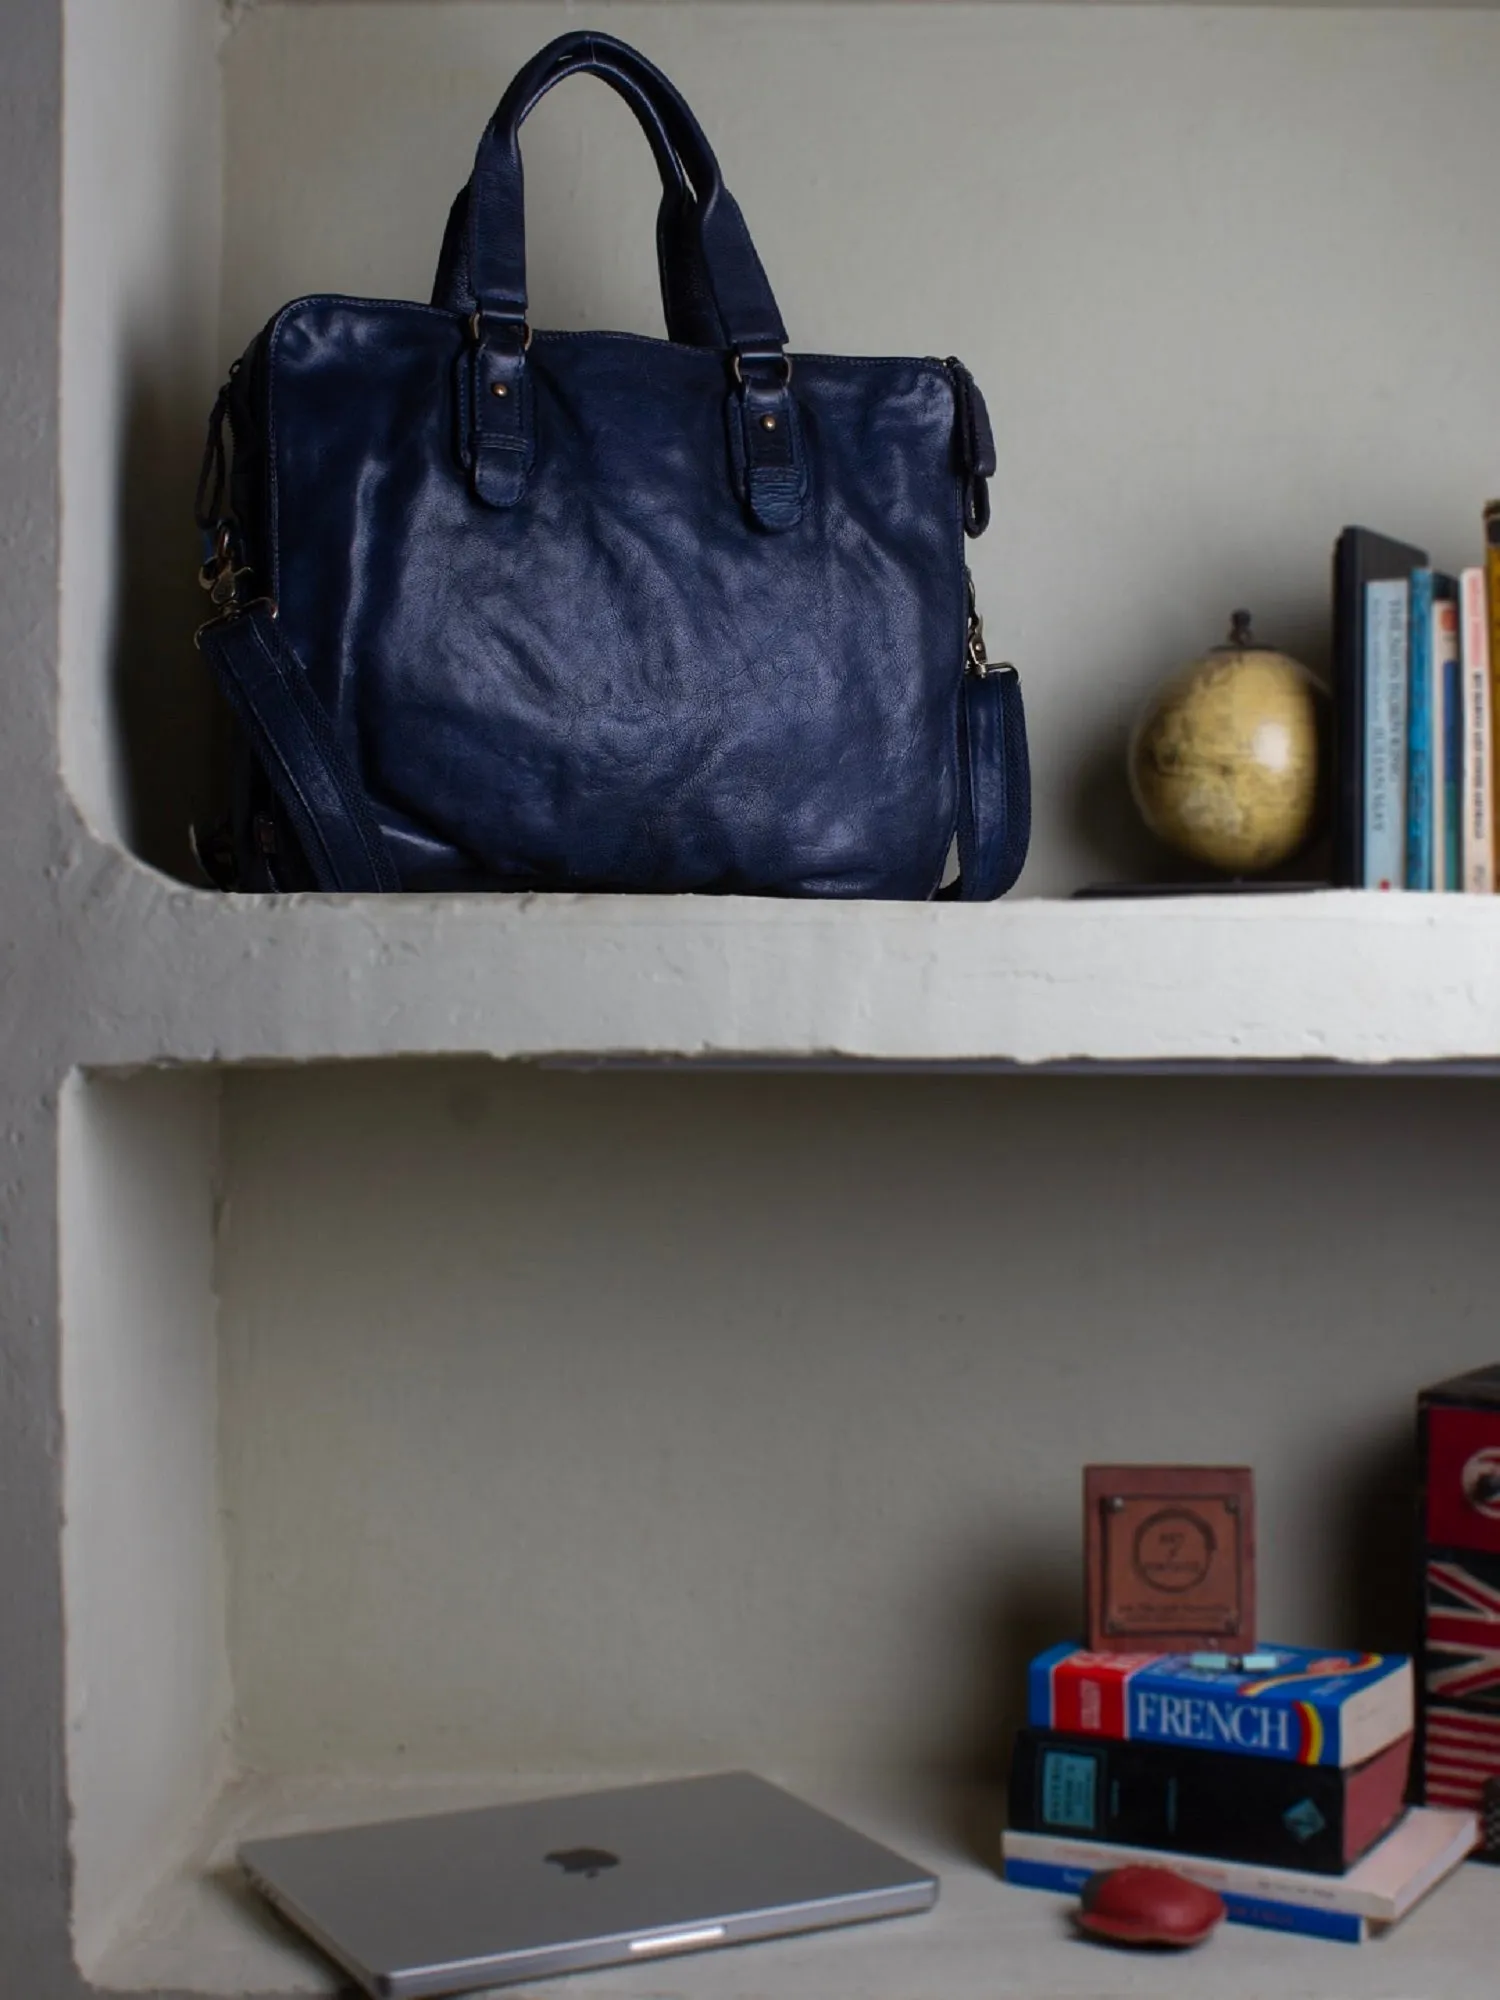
{"type": "Point", "coordinates": [741, 296]}
{"type": "Point", "coordinates": [294, 739]}
{"type": "Point", "coordinates": [687, 300]}
{"type": "Point", "coordinates": [725, 292]}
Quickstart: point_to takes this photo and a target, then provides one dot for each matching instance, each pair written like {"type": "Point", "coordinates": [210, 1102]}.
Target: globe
{"type": "Point", "coordinates": [1224, 761]}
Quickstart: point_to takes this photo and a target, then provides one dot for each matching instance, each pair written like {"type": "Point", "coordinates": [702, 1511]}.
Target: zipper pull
{"type": "Point", "coordinates": [976, 446]}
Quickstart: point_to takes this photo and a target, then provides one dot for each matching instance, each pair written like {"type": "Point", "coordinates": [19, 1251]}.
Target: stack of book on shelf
{"type": "Point", "coordinates": [1416, 661]}
{"type": "Point", "coordinates": [1277, 1777]}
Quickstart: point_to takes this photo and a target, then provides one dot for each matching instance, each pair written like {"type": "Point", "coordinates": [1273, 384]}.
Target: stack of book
{"type": "Point", "coordinates": [1416, 662]}
{"type": "Point", "coordinates": [1277, 1778]}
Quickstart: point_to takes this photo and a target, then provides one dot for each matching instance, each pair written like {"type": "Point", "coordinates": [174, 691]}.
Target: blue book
{"type": "Point", "coordinates": [1360, 558]}
{"type": "Point", "coordinates": [1264, 1912]}
{"type": "Point", "coordinates": [1447, 669]}
{"type": "Point", "coordinates": [1287, 1702]}
{"type": "Point", "coordinates": [1385, 733]}
{"type": "Point", "coordinates": [1420, 779]}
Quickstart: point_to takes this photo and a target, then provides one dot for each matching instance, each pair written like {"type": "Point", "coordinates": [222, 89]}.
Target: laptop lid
{"type": "Point", "coordinates": [480, 1898]}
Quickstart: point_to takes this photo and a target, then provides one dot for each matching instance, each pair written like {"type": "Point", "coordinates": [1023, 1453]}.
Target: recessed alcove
{"type": "Point", "coordinates": [1215, 268]}
{"type": "Point", "coordinates": [441, 1430]}
{"type": "Point", "coordinates": [439, 1427]}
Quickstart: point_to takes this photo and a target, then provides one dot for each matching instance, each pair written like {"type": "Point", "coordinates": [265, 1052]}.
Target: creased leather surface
{"type": "Point", "coordinates": [619, 681]}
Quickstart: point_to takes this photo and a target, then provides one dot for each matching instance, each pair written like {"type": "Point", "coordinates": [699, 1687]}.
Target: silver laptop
{"type": "Point", "coordinates": [482, 1898]}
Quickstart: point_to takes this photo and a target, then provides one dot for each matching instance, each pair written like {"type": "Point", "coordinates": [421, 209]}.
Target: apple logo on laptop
{"type": "Point", "coordinates": [589, 1861]}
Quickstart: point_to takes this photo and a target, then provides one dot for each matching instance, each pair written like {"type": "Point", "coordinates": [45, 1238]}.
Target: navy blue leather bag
{"type": "Point", "coordinates": [514, 610]}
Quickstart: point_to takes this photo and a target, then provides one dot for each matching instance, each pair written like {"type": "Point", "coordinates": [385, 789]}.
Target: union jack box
{"type": "Point", "coordinates": [1458, 1688]}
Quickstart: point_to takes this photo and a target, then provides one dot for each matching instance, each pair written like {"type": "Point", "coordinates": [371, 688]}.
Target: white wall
{"type": "Point", "coordinates": [631, 1421]}
{"type": "Point", "coordinates": [147, 1669]}
{"type": "Point", "coordinates": [1224, 275]}
{"type": "Point", "coordinates": [590, 1422]}
{"type": "Point", "coordinates": [143, 193]}
{"type": "Point", "coordinates": [1216, 270]}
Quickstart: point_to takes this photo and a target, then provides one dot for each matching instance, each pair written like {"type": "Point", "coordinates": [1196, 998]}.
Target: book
{"type": "Point", "coordinates": [1458, 1659]}
{"type": "Point", "coordinates": [1421, 739]}
{"type": "Point", "coordinates": [1317, 1817]}
{"type": "Point", "coordinates": [1264, 1912]}
{"type": "Point", "coordinates": [1423, 1848]}
{"type": "Point", "coordinates": [1360, 556]}
{"type": "Point", "coordinates": [1448, 738]}
{"type": "Point", "coordinates": [1492, 591]}
{"type": "Point", "coordinates": [1386, 619]}
{"type": "Point", "coordinates": [1474, 646]}
{"type": "Point", "coordinates": [1460, 1744]}
{"type": "Point", "coordinates": [1301, 1706]}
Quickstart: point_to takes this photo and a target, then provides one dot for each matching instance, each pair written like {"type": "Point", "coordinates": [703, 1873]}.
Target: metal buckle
{"type": "Point", "coordinates": [775, 355]}
{"type": "Point", "coordinates": [221, 576]}
{"type": "Point", "coordinates": [977, 661]}
{"type": "Point", "coordinates": [235, 608]}
{"type": "Point", "coordinates": [476, 330]}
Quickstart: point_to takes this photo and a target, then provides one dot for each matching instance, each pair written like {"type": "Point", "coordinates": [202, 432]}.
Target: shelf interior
{"type": "Point", "coordinates": [1166, 291]}
{"type": "Point", "coordinates": [433, 1417]}
{"type": "Point", "coordinates": [984, 1937]}
{"type": "Point", "coordinates": [446, 1415]}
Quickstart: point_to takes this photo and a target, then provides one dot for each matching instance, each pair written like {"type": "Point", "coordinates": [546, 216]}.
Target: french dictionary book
{"type": "Point", "coordinates": [1289, 1702]}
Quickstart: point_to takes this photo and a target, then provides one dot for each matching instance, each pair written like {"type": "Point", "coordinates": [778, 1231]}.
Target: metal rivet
{"type": "Point", "coordinates": [499, 389]}
{"type": "Point", "coordinates": [768, 423]}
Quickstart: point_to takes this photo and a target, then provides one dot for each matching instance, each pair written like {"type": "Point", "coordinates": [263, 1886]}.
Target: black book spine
{"type": "Point", "coordinates": [1348, 715]}
{"type": "Point", "coordinates": [1261, 1810]}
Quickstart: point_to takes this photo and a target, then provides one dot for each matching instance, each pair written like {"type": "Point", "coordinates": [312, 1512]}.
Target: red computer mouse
{"type": "Point", "coordinates": [1148, 1906]}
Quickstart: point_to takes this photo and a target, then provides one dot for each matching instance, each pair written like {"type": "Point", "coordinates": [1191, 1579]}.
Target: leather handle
{"type": "Point", "coordinates": [728, 297]}
{"type": "Point", "coordinates": [687, 302]}
{"type": "Point", "coordinates": [739, 303]}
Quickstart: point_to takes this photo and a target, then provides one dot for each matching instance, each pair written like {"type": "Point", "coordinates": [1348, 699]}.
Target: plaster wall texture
{"type": "Point", "coordinates": [144, 173]}
{"type": "Point", "coordinates": [148, 1694]}
{"type": "Point", "coordinates": [107, 965]}
{"type": "Point", "coordinates": [33, 1810]}
{"type": "Point", "coordinates": [632, 1422]}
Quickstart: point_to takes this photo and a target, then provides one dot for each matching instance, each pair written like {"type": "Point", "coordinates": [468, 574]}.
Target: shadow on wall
{"type": "Point", "coordinates": [1031, 1608]}
{"type": "Point", "coordinates": [166, 715]}
{"type": "Point", "coordinates": [1371, 1603]}
{"type": "Point", "coordinates": [1376, 1522]}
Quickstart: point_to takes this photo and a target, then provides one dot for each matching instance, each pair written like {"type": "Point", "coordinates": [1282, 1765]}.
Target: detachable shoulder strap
{"type": "Point", "coordinates": [994, 786]}
{"type": "Point", "coordinates": [294, 739]}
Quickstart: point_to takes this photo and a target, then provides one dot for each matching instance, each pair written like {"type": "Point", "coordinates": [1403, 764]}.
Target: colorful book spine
{"type": "Point", "coordinates": [1360, 557]}
{"type": "Point", "coordinates": [1420, 740]}
{"type": "Point", "coordinates": [1386, 604]}
{"type": "Point", "coordinates": [1448, 687]}
{"type": "Point", "coordinates": [1263, 1912]}
{"type": "Point", "coordinates": [1292, 1704]}
{"type": "Point", "coordinates": [1479, 831]}
{"type": "Point", "coordinates": [1492, 591]}
{"type": "Point", "coordinates": [1459, 1687]}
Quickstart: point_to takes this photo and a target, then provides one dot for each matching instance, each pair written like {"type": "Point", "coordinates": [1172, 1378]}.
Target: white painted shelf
{"type": "Point", "coordinates": [1331, 978]}
{"type": "Point", "coordinates": [883, 1322]}
{"type": "Point", "coordinates": [984, 1939]}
